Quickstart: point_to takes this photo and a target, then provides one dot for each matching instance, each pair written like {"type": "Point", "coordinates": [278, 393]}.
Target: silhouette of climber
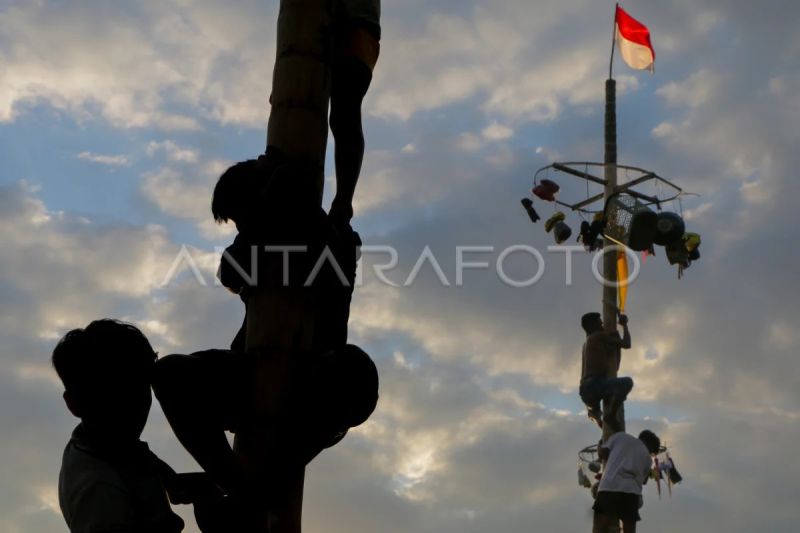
{"type": "Point", "coordinates": [333, 388]}
{"type": "Point", "coordinates": [601, 355]}
{"type": "Point", "coordinates": [206, 393]}
{"type": "Point", "coordinates": [357, 34]}
{"type": "Point", "coordinates": [628, 463]}
{"type": "Point", "coordinates": [109, 479]}
{"type": "Point", "coordinates": [236, 197]}
{"type": "Point", "coordinates": [270, 205]}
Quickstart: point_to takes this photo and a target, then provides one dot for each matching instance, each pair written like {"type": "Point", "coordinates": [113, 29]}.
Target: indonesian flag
{"type": "Point", "coordinates": [633, 39]}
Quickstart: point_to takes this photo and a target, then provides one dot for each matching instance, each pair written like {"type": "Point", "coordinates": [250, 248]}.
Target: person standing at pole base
{"type": "Point", "coordinates": [601, 353]}
{"type": "Point", "coordinates": [628, 462]}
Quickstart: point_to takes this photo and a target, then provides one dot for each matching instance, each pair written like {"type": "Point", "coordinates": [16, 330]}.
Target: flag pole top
{"type": "Point", "coordinates": [613, 44]}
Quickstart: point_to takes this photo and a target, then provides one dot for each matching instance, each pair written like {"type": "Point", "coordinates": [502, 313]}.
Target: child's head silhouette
{"type": "Point", "coordinates": [106, 369]}
{"type": "Point", "coordinates": [236, 192]}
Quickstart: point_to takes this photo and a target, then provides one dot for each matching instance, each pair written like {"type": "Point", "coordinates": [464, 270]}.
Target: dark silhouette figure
{"type": "Point", "coordinates": [333, 388]}
{"type": "Point", "coordinates": [357, 34]}
{"type": "Point", "coordinates": [110, 480]}
{"type": "Point", "coordinates": [272, 205]}
{"type": "Point", "coordinates": [601, 355]}
{"type": "Point", "coordinates": [236, 198]}
{"type": "Point", "coordinates": [334, 385]}
{"type": "Point", "coordinates": [627, 464]}
{"type": "Point", "coordinates": [206, 393]}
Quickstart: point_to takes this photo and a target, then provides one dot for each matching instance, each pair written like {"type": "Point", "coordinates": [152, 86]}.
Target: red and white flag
{"type": "Point", "coordinates": [633, 39]}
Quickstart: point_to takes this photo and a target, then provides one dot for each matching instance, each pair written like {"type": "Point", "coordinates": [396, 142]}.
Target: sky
{"type": "Point", "coordinates": [116, 118]}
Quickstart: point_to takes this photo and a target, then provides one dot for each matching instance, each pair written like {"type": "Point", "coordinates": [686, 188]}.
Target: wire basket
{"type": "Point", "coordinates": [630, 223]}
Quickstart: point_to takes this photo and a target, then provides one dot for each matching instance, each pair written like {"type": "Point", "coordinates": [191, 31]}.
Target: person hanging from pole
{"type": "Point", "coordinates": [335, 388]}
{"type": "Point", "coordinates": [601, 355]}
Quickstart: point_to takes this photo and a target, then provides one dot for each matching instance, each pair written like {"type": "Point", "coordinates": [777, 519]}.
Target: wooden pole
{"type": "Point", "coordinates": [301, 83]}
{"type": "Point", "coordinates": [609, 256]}
{"type": "Point", "coordinates": [280, 320]}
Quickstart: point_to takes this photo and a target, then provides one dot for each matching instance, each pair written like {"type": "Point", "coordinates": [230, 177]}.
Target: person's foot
{"type": "Point", "coordinates": [595, 414]}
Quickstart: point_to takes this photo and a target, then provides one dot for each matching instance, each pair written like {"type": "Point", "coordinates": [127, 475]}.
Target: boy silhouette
{"type": "Point", "coordinates": [270, 204]}
{"type": "Point", "coordinates": [335, 387]}
{"type": "Point", "coordinates": [205, 393]}
{"type": "Point", "coordinates": [109, 479]}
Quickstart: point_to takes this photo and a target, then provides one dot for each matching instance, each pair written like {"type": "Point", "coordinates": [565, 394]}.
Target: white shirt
{"type": "Point", "coordinates": [628, 465]}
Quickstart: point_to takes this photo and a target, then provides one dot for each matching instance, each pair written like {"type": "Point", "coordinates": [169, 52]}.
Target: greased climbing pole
{"type": "Point", "coordinates": [624, 220]}
{"type": "Point", "coordinates": [281, 320]}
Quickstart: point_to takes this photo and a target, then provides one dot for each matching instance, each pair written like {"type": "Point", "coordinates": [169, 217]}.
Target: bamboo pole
{"type": "Point", "coordinates": [280, 321]}
{"type": "Point", "coordinates": [610, 256]}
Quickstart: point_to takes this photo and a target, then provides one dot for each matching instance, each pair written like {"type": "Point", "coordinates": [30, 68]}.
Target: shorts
{"type": "Point", "coordinates": [594, 389]}
{"type": "Point", "coordinates": [359, 42]}
{"type": "Point", "coordinates": [618, 505]}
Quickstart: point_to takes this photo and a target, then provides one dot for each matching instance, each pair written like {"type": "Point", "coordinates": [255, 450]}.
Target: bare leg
{"type": "Point", "coordinates": [620, 392]}
{"type": "Point", "coordinates": [194, 399]}
{"type": "Point", "coordinates": [611, 416]}
{"type": "Point", "coordinates": [601, 523]}
{"type": "Point", "coordinates": [629, 526]}
{"type": "Point", "coordinates": [595, 414]}
{"type": "Point", "coordinates": [351, 79]}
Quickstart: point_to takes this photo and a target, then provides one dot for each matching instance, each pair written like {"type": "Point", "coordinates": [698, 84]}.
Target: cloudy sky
{"type": "Point", "coordinates": [117, 117]}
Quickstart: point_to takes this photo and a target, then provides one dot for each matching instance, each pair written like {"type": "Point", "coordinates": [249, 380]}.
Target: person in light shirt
{"type": "Point", "coordinates": [628, 462]}
{"type": "Point", "coordinates": [601, 356]}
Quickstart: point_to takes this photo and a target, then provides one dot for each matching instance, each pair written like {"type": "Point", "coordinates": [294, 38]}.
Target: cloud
{"type": "Point", "coordinates": [183, 188]}
{"type": "Point", "coordinates": [172, 151]}
{"type": "Point", "coordinates": [139, 65]}
{"type": "Point", "coordinates": [482, 54]}
{"type": "Point", "coordinates": [120, 260]}
{"type": "Point", "coordinates": [181, 185]}
{"type": "Point", "coordinates": [479, 422]}
{"type": "Point", "coordinates": [697, 90]}
{"type": "Point", "coordinates": [497, 132]}
{"type": "Point", "coordinates": [469, 142]}
{"type": "Point", "coordinates": [111, 160]}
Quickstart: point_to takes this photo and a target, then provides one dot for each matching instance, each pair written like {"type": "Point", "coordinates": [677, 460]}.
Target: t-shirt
{"type": "Point", "coordinates": [628, 464]}
{"type": "Point", "coordinates": [599, 356]}
{"type": "Point", "coordinates": [102, 495]}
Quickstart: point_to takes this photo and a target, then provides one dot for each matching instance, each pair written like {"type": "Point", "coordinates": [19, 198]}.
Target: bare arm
{"type": "Point", "coordinates": [583, 362]}
{"type": "Point", "coordinates": [626, 337]}
{"type": "Point", "coordinates": [614, 339]}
